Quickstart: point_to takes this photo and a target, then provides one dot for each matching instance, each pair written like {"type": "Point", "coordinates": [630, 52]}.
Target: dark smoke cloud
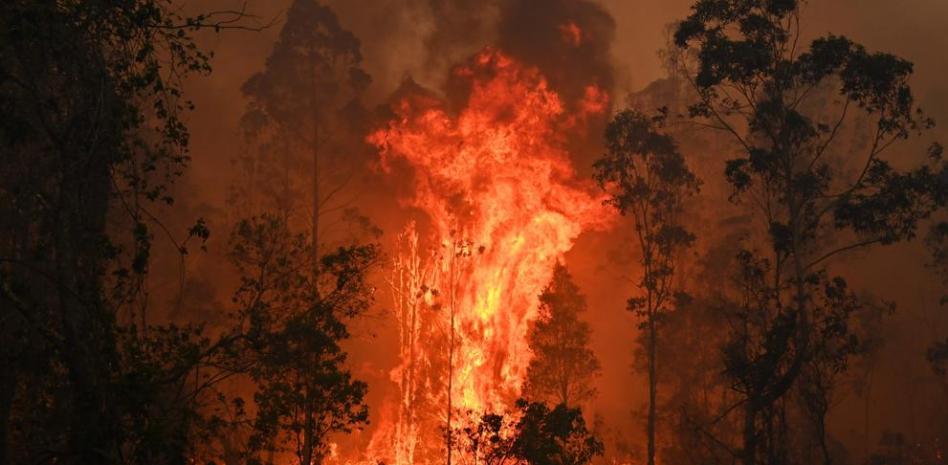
{"type": "Point", "coordinates": [456, 23]}
{"type": "Point", "coordinates": [424, 39]}
{"type": "Point", "coordinates": [570, 41]}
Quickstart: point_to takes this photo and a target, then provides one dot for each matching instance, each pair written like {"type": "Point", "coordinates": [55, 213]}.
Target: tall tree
{"type": "Point", "coordinates": [937, 242]}
{"type": "Point", "coordinates": [301, 106]}
{"type": "Point", "coordinates": [90, 140]}
{"type": "Point", "coordinates": [647, 178]}
{"type": "Point", "coordinates": [563, 365]}
{"type": "Point", "coordinates": [818, 194]}
{"type": "Point", "coordinates": [290, 323]}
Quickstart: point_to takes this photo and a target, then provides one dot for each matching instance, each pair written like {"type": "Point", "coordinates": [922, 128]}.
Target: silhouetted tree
{"type": "Point", "coordinates": [937, 242]}
{"type": "Point", "coordinates": [648, 179]}
{"type": "Point", "coordinates": [757, 83]}
{"type": "Point", "coordinates": [563, 366]}
{"type": "Point", "coordinates": [556, 436]}
{"type": "Point", "coordinates": [90, 141]}
{"type": "Point", "coordinates": [538, 436]}
{"type": "Point", "coordinates": [303, 105]}
{"type": "Point", "coordinates": [696, 395]}
{"type": "Point", "coordinates": [290, 324]}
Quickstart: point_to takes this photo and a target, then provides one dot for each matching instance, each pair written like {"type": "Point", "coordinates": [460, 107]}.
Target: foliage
{"type": "Point", "coordinates": [937, 242]}
{"type": "Point", "coordinates": [91, 138]}
{"type": "Point", "coordinates": [291, 324]}
{"type": "Point", "coordinates": [303, 116]}
{"type": "Point", "coordinates": [563, 366]}
{"type": "Point", "coordinates": [647, 178]}
{"type": "Point", "coordinates": [537, 435]}
{"type": "Point", "coordinates": [818, 195]}
{"type": "Point", "coordinates": [314, 64]}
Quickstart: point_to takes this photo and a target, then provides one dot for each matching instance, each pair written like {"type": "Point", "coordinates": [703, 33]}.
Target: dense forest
{"type": "Point", "coordinates": [498, 232]}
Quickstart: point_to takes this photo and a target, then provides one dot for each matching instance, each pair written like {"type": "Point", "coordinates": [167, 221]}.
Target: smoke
{"type": "Point", "coordinates": [569, 41]}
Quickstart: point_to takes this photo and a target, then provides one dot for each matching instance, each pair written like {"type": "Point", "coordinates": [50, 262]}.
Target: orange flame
{"type": "Point", "coordinates": [504, 206]}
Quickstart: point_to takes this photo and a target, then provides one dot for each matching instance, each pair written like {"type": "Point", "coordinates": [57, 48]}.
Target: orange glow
{"type": "Point", "coordinates": [572, 34]}
{"type": "Point", "coordinates": [504, 205]}
{"type": "Point", "coordinates": [595, 100]}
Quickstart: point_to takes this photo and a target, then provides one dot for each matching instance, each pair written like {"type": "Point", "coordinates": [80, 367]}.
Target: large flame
{"type": "Point", "coordinates": [504, 205]}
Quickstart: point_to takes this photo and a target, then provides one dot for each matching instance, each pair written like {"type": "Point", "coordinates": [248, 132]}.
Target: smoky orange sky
{"type": "Point", "coordinates": [421, 39]}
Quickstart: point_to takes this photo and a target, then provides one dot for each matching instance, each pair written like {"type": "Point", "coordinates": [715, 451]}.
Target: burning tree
{"type": "Point", "coordinates": [496, 178]}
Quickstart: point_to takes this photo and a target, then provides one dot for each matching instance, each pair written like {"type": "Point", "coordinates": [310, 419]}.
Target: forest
{"type": "Point", "coordinates": [473, 232]}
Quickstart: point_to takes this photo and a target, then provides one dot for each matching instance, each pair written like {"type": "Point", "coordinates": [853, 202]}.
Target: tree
{"type": "Point", "coordinates": [648, 179]}
{"type": "Point", "coordinates": [563, 366]}
{"type": "Point", "coordinates": [937, 242]}
{"type": "Point", "coordinates": [537, 435]}
{"type": "Point", "coordinates": [556, 436]}
{"type": "Point", "coordinates": [818, 195]}
{"type": "Point", "coordinates": [290, 324]}
{"type": "Point", "coordinates": [91, 139]}
{"type": "Point", "coordinates": [303, 105]}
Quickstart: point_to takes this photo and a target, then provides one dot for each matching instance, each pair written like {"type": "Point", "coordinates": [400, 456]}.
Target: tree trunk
{"type": "Point", "coordinates": [866, 404]}
{"type": "Point", "coordinates": [827, 458]}
{"type": "Point", "coordinates": [316, 198]}
{"type": "Point", "coordinates": [652, 386]}
{"type": "Point", "coordinates": [7, 393]}
{"type": "Point", "coordinates": [453, 284]}
{"type": "Point", "coordinates": [306, 453]}
{"type": "Point", "coordinates": [78, 229]}
{"type": "Point", "coordinates": [749, 453]}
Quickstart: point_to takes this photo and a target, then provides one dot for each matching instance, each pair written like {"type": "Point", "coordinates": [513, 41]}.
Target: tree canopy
{"type": "Point", "coordinates": [563, 366]}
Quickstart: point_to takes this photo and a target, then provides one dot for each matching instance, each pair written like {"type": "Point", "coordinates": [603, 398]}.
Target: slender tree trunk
{"type": "Point", "coordinates": [448, 433]}
{"type": "Point", "coordinates": [652, 384]}
{"type": "Point", "coordinates": [413, 308]}
{"type": "Point", "coordinates": [7, 393]}
{"type": "Point", "coordinates": [824, 447]}
{"type": "Point", "coordinates": [316, 199]}
{"type": "Point", "coordinates": [86, 322]}
{"type": "Point", "coordinates": [866, 418]}
{"type": "Point", "coordinates": [306, 454]}
{"type": "Point", "coordinates": [453, 283]}
{"type": "Point", "coordinates": [749, 453]}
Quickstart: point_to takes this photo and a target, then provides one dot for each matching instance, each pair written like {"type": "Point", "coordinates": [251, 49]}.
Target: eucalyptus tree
{"type": "Point", "coordinates": [648, 179]}
{"type": "Point", "coordinates": [91, 139]}
{"type": "Point", "coordinates": [288, 329]}
{"type": "Point", "coordinates": [302, 116]}
{"type": "Point", "coordinates": [817, 128]}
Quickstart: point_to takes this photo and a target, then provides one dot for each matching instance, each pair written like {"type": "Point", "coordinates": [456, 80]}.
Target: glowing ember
{"type": "Point", "coordinates": [504, 206]}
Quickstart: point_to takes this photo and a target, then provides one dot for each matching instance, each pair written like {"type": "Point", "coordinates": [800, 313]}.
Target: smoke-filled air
{"type": "Point", "coordinates": [458, 232]}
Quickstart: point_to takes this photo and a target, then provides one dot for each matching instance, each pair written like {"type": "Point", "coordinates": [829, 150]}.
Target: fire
{"type": "Point", "coordinates": [572, 34]}
{"type": "Point", "coordinates": [504, 205]}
